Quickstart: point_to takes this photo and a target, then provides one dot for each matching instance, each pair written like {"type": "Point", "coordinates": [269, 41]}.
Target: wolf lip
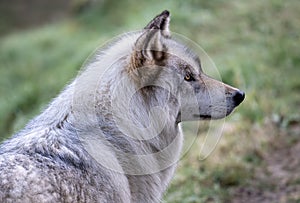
{"type": "Point", "coordinates": [203, 116]}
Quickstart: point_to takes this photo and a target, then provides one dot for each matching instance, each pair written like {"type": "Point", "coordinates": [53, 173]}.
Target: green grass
{"type": "Point", "coordinates": [254, 44]}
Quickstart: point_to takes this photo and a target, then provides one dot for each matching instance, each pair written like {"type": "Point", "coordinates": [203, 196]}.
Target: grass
{"type": "Point", "coordinates": [255, 46]}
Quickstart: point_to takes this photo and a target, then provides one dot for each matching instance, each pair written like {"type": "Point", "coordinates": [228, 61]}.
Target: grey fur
{"type": "Point", "coordinates": [82, 147]}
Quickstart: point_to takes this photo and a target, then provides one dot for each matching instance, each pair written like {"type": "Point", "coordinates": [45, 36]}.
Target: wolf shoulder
{"type": "Point", "coordinates": [28, 175]}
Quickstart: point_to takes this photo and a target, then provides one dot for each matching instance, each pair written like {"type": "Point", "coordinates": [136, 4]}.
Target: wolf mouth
{"type": "Point", "coordinates": [202, 116]}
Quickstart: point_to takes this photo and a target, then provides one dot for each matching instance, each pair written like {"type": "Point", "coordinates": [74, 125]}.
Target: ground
{"type": "Point", "coordinates": [278, 179]}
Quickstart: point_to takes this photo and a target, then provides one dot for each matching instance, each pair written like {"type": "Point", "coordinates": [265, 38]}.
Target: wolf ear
{"type": "Point", "coordinates": [149, 46]}
{"type": "Point", "coordinates": [160, 22]}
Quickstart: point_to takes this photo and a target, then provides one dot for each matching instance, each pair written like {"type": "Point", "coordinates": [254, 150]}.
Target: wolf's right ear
{"type": "Point", "coordinates": [149, 47]}
{"type": "Point", "coordinates": [160, 22]}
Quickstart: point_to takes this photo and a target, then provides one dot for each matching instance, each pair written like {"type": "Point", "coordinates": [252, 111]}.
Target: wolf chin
{"type": "Point", "coordinates": [113, 134]}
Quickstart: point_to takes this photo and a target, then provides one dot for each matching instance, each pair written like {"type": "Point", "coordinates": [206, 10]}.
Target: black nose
{"type": "Point", "coordinates": [238, 97]}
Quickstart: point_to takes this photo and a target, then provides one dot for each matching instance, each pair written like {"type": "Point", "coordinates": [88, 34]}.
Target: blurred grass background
{"type": "Point", "coordinates": [254, 44]}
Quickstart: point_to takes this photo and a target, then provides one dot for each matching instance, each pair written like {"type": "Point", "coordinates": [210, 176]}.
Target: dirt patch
{"type": "Point", "coordinates": [278, 179]}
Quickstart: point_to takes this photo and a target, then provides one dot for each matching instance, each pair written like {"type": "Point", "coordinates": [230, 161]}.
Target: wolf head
{"type": "Point", "coordinates": [159, 60]}
{"type": "Point", "coordinates": [142, 85]}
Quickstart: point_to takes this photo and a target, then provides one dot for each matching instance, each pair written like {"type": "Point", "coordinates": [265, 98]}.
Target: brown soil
{"type": "Point", "coordinates": [278, 179]}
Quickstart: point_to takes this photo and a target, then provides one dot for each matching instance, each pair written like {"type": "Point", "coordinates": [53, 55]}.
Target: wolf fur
{"type": "Point", "coordinates": [113, 134]}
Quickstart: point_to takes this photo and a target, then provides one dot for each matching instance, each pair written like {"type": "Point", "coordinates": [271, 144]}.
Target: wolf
{"type": "Point", "coordinates": [113, 134]}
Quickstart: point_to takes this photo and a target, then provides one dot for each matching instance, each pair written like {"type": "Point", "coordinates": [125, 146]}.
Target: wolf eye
{"type": "Point", "coordinates": [188, 77]}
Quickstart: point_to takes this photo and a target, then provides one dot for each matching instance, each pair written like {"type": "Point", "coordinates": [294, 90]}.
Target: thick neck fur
{"type": "Point", "coordinates": [85, 108]}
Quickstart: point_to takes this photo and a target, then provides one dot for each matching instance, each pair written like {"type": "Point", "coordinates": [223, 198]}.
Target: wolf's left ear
{"type": "Point", "coordinates": [149, 47]}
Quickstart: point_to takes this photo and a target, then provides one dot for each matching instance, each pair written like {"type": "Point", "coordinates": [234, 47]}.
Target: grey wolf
{"type": "Point", "coordinates": [113, 134]}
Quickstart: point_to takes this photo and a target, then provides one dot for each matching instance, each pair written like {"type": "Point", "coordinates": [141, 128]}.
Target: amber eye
{"type": "Point", "coordinates": [188, 77]}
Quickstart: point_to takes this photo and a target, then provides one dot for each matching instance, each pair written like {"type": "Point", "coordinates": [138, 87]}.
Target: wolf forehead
{"type": "Point", "coordinates": [174, 51]}
{"type": "Point", "coordinates": [181, 53]}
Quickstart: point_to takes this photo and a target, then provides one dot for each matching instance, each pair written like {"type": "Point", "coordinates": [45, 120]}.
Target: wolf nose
{"type": "Point", "coordinates": [238, 97]}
